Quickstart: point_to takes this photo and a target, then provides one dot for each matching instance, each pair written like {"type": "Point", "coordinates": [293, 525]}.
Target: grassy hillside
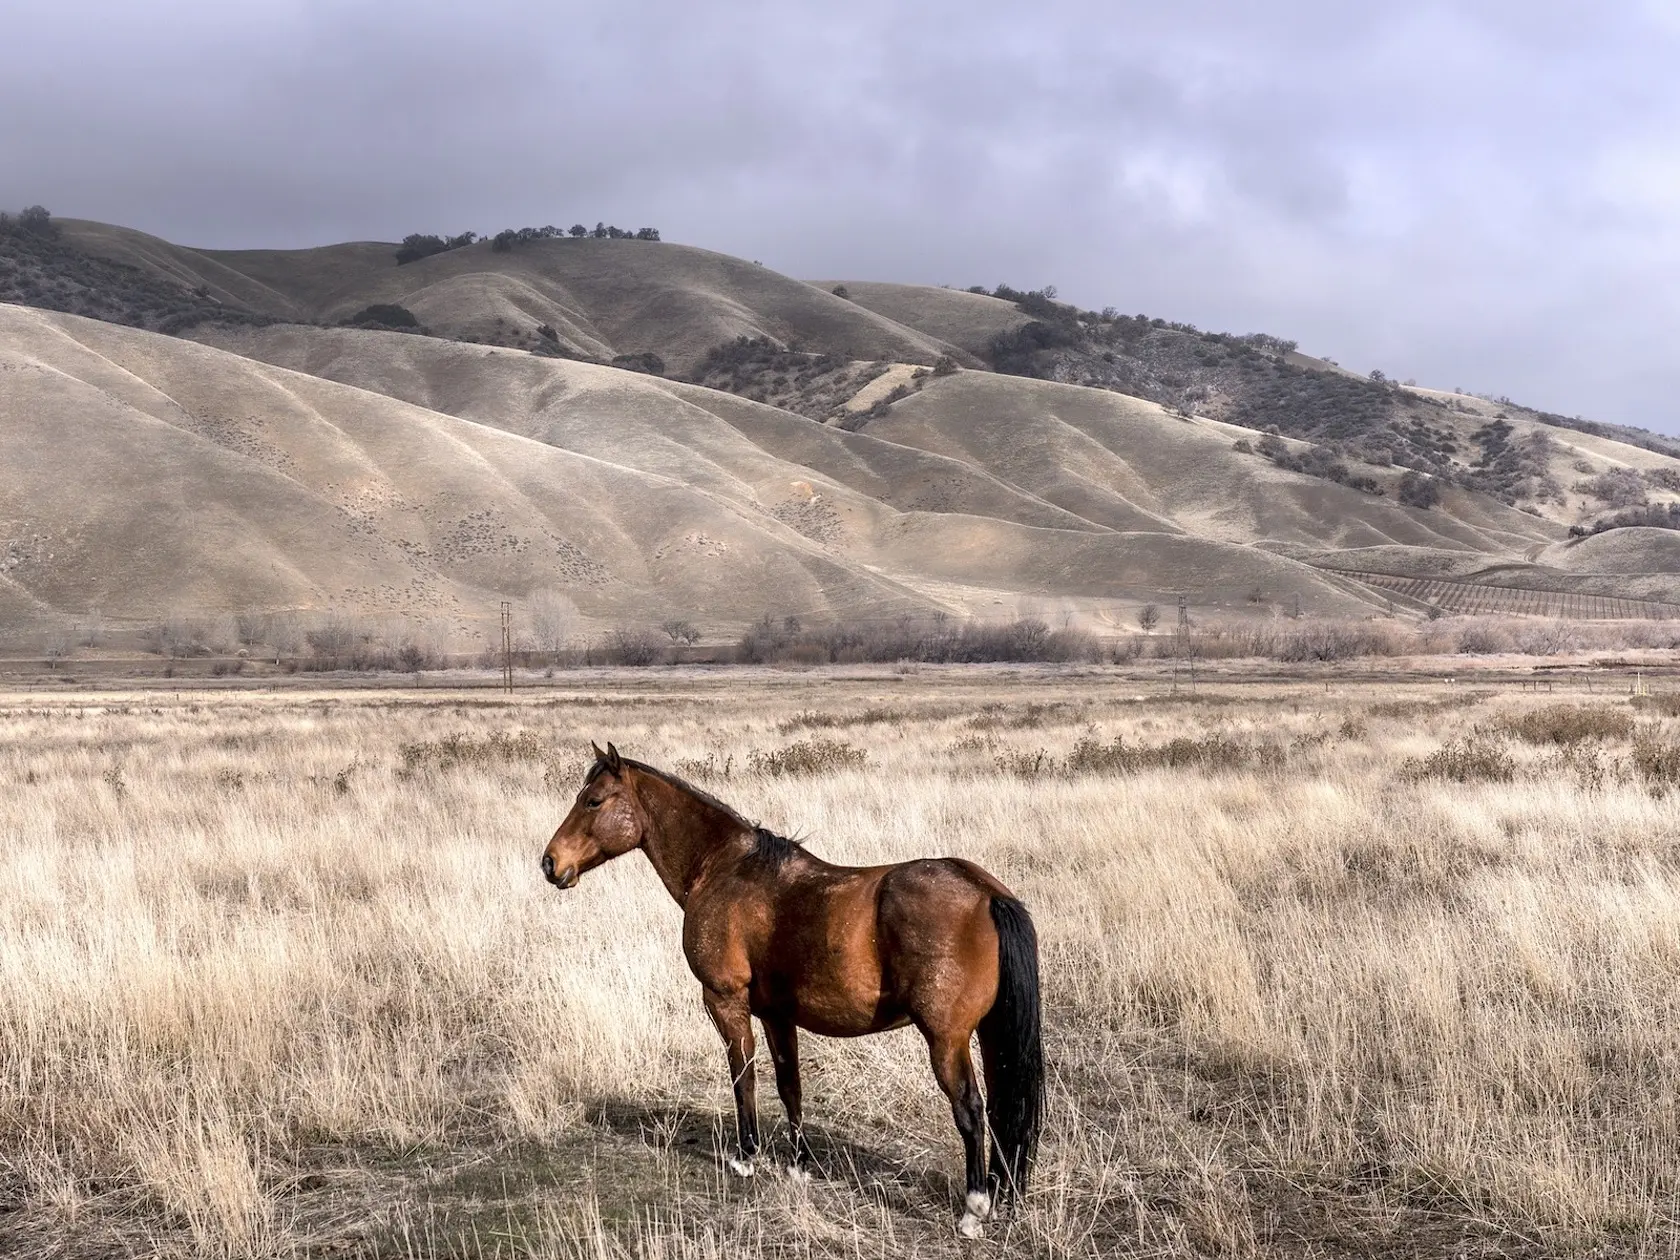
{"type": "Point", "coordinates": [147, 474]}
{"type": "Point", "coordinates": [42, 267]}
{"type": "Point", "coordinates": [1514, 454]}
{"type": "Point", "coordinates": [600, 299]}
{"type": "Point", "coordinates": [846, 437]}
{"type": "Point", "coordinates": [737, 326]}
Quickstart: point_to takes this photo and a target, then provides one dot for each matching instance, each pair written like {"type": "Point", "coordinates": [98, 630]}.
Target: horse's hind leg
{"type": "Point", "coordinates": [954, 1069]}
{"type": "Point", "coordinates": [784, 1053]}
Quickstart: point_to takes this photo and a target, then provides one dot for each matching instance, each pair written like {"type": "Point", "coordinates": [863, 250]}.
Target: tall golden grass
{"type": "Point", "coordinates": [279, 973]}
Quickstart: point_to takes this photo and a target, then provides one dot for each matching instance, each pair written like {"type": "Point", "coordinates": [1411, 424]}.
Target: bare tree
{"type": "Point", "coordinates": [553, 619]}
{"type": "Point", "coordinates": [60, 642]}
{"type": "Point", "coordinates": [1149, 616]}
{"type": "Point", "coordinates": [333, 638]}
{"type": "Point", "coordinates": [91, 631]}
{"type": "Point", "coordinates": [174, 636]}
{"type": "Point", "coordinates": [252, 627]}
{"type": "Point", "coordinates": [284, 634]}
{"type": "Point", "coordinates": [679, 630]}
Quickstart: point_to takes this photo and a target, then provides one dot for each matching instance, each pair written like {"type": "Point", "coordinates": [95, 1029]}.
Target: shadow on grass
{"type": "Point", "coordinates": [624, 1162]}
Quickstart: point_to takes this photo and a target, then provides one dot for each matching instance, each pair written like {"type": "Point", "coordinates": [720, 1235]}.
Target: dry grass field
{"type": "Point", "coordinates": [1330, 970]}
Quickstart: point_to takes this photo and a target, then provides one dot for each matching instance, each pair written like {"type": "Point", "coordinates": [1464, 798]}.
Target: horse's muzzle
{"type": "Point", "coordinates": [560, 879]}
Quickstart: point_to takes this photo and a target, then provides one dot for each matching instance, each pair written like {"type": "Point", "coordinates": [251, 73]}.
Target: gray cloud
{"type": "Point", "coordinates": [1476, 194]}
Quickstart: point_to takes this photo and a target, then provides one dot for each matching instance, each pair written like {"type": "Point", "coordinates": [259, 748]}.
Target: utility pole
{"type": "Point", "coordinates": [507, 647]}
{"type": "Point", "coordinates": [1185, 647]}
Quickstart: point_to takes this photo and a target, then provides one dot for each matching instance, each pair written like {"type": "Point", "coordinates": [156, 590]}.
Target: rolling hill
{"type": "Point", "coordinates": [147, 474]}
{"type": "Point", "coordinates": [603, 298]}
{"type": "Point", "coordinates": [859, 460]}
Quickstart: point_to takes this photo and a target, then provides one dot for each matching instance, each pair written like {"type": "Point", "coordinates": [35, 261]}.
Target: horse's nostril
{"type": "Point", "coordinates": [548, 866]}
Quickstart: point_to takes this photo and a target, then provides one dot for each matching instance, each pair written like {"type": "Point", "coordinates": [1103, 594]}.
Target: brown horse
{"type": "Point", "coordinates": [772, 930]}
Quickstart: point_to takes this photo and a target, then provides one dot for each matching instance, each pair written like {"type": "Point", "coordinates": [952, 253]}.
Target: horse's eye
{"type": "Point", "coordinates": [593, 804]}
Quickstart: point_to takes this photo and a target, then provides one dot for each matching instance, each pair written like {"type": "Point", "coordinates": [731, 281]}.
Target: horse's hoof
{"type": "Point", "coordinates": [740, 1167]}
{"type": "Point", "coordinates": [979, 1205]}
{"type": "Point", "coordinates": [970, 1226]}
{"type": "Point", "coordinates": [798, 1175]}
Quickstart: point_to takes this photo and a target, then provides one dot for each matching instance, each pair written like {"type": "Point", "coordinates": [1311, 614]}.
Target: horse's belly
{"type": "Point", "coordinates": [829, 1002]}
{"type": "Point", "coordinates": [827, 1022]}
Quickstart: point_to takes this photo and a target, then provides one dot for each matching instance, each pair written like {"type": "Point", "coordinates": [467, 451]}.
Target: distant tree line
{"type": "Point", "coordinates": [417, 245]}
{"type": "Point", "coordinates": [507, 238]}
{"type": "Point", "coordinates": [420, 245]}
{"type": "Point", "coordinates": [1649, 516]}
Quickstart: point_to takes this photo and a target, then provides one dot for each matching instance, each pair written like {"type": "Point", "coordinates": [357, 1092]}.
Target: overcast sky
{"type": "Point", "coordinates": [1483, 195]}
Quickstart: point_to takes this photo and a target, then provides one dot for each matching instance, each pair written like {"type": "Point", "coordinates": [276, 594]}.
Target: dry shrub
{"type": "Point", "coordinates": [1211, 752]}
{"type": "Point", "coordinates": [1473, 759]}
{"type": "Point", "coordinates": [633, 645]}
{"type": "Point", "coordinates": [1026, 764]}
{"type": "Point", "coordinates": [1668, 705]}
{"type": "Point", "coordinates": [1585, 764]}
{"type": "Point", "coordinates": [808, 757]}
{"type": "Point", "coordinates": [1568, 724]}
{"type": "Point", "coordinates": [935, 641]}
{"type": "Point", "coordinates": [1484, 638]}
{"type": "Point", "coordinates": [1545, 638]}
{"type": "Point", "coordinates": [1657, 763]}
{"type": "Point", "coordinates": [459, 749]}
{"type": "Point", "coordinates": [811, 720]}
{"type": "Point", "coordinates": [995, 716]}
{"type": "Point", "coordinates": [1337, 641]}
{"type": "Point", "coordinates": [1406, 709]}
{"type": "Point", "coordinates": [711, 767]}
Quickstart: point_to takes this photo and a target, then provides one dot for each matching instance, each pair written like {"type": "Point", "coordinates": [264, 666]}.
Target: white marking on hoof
{"type": "Point", "coordinates": [799, 1176]}
{"type": "Point", "coordinates": [978, 1203]}
{"type": "Point", "coordinates": [970, 1226]}
{"type": "Point", "coordinates": [740, 1167]}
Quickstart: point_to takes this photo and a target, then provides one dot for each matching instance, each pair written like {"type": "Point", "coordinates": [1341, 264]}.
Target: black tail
{"type": "Point", "coordinates": [1012, 1049]}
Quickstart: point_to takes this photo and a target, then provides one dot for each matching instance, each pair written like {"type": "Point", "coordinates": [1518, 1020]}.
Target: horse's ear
{"type": "Point", "coordinates": [600, 757]}
{"type": "Point", "coordinates": [614, 763]}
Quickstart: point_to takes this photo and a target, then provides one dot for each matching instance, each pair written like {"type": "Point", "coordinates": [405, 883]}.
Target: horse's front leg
{"type": "Point", "coordinates": [733, 1020]}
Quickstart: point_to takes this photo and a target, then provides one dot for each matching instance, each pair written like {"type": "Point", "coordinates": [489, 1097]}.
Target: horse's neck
{"type": "Point", "coordinates": [683, 832]}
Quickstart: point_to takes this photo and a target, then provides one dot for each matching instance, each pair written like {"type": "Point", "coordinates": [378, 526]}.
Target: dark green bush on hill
{"type": "Point", "coordinates": [384, 315]}
{"type": "Point", "coordinates": [34, 220]}
{"type": "Point", "coordinates": [419, 245]}
{"type": "Point", "coordinates": [647, 361]}
{"type": "Point", "coordinates": [1418, 490]}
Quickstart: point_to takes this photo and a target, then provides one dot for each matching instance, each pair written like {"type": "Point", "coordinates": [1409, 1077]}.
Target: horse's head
{"type": "Point", "coordinates": [605, 821]}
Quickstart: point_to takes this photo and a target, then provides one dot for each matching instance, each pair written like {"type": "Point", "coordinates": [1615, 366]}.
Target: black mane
{"type": "Point", "coordinates": [773, 850]}
{"type": "Point", "coordinates": [768, 847]}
